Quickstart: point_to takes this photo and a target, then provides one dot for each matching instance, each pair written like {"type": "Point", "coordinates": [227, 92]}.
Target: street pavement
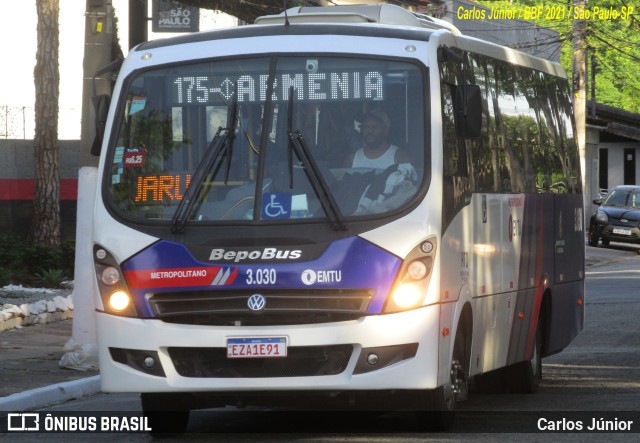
{"type": "Point", "coordinates": [31, 377]}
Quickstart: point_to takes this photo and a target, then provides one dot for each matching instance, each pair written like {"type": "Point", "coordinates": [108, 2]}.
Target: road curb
{"type": "Point", "coordinates": [32, 320]}
{"type": "Point", "coordinates": [35, 313]}
{"type": "Point", "coordinates": [49, 395]}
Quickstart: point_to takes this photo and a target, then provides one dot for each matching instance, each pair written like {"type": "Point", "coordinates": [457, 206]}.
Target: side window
{"type": "Point", "coordinates": [485, 154]}
{"type": "Point", "coordinates": [526, 143]}
{"type": "Point", "coordinates": [508, 127]}
{"type": "Point", "coordinates": [531, 130]}
{"type": "Point", "coordinates": [521, 130]}
{"type": "Point", "coordinates": [553, 111]}
{"type": "Point", "coordinates": [454, 164]}
{"type": "Point", "coordinates": [567, 150]}
{"type": "Point", "coordinates": [456, 178]}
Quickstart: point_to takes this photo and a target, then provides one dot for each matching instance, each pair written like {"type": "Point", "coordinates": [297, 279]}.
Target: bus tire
{"type": "Point", "coordinates": [439, 412]}
{"type": "Point", "coordinates": [490, 382]}
{"type": "Point", "coordinates": [440, 407]}
{"type": "Point", "coordinates": [525, 377]}
{"type": "Point", "coordinates": [165, 415]}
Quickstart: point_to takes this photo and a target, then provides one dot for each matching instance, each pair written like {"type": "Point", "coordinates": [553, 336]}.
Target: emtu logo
{"type": "Point", "coordinates": [309, 277]}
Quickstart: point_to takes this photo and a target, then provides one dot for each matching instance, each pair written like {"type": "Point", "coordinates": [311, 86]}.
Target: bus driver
{"type": "Point", "coordinates": [389, 189]}
{"type": "Point", "coordinates": [377, 152]}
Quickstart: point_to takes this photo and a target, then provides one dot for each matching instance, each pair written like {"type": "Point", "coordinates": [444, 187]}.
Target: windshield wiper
{"type": "Point", "coordinates": [319, 184]}
{"type": "Point", "coordinates": [219, 150]}
{"type": "Point", "coordinates": [232, 123]}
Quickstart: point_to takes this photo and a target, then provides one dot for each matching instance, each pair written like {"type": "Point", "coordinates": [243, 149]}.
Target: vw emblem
{"type": "Point", "coordinates": [256, 302]}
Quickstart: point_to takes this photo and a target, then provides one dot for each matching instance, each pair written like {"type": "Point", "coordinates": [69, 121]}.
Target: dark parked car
{"type": "Point", "coordinates": [617, 218]}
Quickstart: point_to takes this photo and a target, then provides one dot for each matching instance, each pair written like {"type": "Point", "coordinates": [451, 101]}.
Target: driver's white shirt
{"type": "Point", "coordinates": [360, 160]}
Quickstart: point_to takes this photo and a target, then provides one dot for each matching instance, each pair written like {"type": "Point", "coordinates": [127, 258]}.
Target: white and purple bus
{"type": "Point", "coordinates": [244, 257]}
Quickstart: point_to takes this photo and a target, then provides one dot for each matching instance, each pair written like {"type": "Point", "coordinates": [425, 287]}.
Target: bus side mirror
{"type": "Point", "coordinates": [101, 104]}
{"type": "Point", "coordinates": [468, 111]}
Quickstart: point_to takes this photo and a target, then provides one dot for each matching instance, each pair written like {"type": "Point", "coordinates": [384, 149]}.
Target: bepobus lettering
{"type": "Point", "coordinates": [265, 254]}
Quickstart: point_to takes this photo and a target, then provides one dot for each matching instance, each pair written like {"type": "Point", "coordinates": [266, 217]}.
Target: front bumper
{"type": "Point", "coordinates": [618, 233]}
{"type": "Point", "coordinates": [407, 345]}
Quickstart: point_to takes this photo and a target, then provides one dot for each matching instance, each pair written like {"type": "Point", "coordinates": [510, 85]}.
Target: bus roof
{"type": "Point", "coordinates": [293, 30]}
{"type": "Point", "coordinates": [326, 20]}
{"type": "Point", "coordinates": [379, 20]}
{"type": "Point", "coordinates": [381, 13]}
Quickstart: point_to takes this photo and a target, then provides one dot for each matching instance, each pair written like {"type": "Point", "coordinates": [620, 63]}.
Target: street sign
{"type": "Point", "coordinates": [173, 16]}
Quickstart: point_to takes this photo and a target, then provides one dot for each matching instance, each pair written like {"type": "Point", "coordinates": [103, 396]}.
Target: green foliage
{"type": "Point", "coordinates": [68, 256]}
{"type": "Point", "coordinates": [34, 265]}
{"type": "Point", "coordinates": [41, 257]}
{"type": "Point", "coordinates": [614, 42]}
{"type": "Point", "coordinates": [51, 278]}
{"type": "Point", "coordinates": [5, 276]}
{"type": "Point", "coordinates": [10, 249]}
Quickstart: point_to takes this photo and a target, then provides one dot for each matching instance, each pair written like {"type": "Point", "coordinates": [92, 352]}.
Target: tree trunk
{"type": "Point", "coordinates": [46, 203]}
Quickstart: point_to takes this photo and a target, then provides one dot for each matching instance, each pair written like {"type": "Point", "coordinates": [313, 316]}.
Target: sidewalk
{"type": "Point", "coordinates": [29, 358]}
{"type": "Point", "coordinates": [31, 378]}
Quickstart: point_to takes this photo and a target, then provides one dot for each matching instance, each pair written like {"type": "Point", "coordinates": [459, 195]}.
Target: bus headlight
{"type": "Point", "coordinates": [412, 282]}
{"type": "Point", "coordinates": [407, 295]}
{"type": "Point", "coordinates": [417, 270]}
{"type": "Point", "coordinates": [119, 301]}
{"type": "Point", "coordinates": [110, 276]}
{"type": "Point", "coordinates": [114, 293]}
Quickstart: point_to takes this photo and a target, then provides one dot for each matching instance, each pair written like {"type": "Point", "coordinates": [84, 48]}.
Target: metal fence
{"type": "Point", "coordinates": [16, 122]}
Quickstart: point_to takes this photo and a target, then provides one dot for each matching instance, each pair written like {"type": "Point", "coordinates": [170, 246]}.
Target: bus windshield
{"type": "Point", "coordinates": [360, 120]}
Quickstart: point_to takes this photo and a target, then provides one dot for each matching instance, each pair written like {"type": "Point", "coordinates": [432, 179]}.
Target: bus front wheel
{"type": "Point", "coordinates": [440, 405]}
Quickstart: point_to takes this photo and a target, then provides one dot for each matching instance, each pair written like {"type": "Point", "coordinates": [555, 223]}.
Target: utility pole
{"type": "Point", "coordinates": [138, 22]}
{"type": "Point", "coordinates": [97, 54]}
{"type": "Point", "coordinates": [98, 40]}
{"type": "Point", "coordinates": [580, 94]}
{"type": "Point", "coordinates": [594, 69]}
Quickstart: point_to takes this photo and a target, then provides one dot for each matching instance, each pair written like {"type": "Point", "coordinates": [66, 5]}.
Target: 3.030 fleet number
{"type": "Point", "coordinates": [261, 276]}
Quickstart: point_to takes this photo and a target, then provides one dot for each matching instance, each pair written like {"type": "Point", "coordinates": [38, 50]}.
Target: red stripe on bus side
{"type": "Point", "coordinates": [535, 315]}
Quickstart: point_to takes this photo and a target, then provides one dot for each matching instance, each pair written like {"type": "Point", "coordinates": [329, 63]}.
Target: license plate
{"type": "Point", "coordinates": [256, 347]}
{"type": "Point", "coordinates": [622, 231]}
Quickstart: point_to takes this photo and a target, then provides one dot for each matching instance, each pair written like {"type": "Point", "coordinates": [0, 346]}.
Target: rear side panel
{"type": "Point", "coordinates": [508, 252]}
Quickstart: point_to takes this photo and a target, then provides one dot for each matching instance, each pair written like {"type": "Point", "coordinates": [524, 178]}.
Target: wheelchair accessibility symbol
{"type": "Point", "coordinates": [276, 205]}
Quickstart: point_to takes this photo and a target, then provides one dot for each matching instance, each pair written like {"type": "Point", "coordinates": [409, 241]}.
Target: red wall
{"type": "Point", "coordinates": [14, 189]}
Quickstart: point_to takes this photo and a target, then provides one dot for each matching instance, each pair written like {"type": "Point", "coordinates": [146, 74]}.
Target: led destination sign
{"type": "Point", "coordinates": [157, 188]}
{"type": "Point", "coordinates": [308, 86]}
